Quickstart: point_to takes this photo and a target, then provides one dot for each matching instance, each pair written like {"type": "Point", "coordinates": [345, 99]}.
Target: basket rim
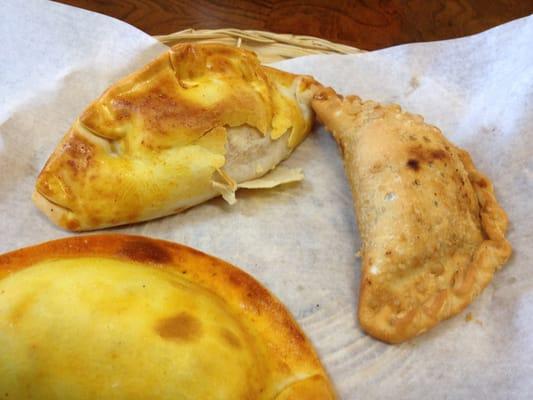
{"type": "Point", "coordinates": [311, 43]}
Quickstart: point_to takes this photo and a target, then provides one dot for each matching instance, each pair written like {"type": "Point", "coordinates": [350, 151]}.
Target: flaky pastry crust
{"type": "Point", "coordinates": [115, 316]}
{"type": "Point", "coordinates": [189, 126]}
{"type": "Point", "coordinates": [432, 231]}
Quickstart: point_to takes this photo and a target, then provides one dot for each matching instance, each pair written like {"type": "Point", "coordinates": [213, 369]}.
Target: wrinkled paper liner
{"type": "Point", "coordinates": [300, 239]}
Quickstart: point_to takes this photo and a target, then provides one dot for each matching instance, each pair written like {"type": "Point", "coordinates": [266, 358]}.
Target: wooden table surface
{"type": "Point", "coordinates": [366, 24]}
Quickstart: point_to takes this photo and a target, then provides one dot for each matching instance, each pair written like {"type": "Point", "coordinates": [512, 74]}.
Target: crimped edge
{"type": "Point", "coordinates": [490, 256]}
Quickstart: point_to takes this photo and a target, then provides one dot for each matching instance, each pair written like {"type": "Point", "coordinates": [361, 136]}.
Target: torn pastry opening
{"type": "Point", "coordinates": [252, 162]}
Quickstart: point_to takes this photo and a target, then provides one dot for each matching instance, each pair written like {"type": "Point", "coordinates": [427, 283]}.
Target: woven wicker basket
{"type": "Point", "coordinates": [270, 47]}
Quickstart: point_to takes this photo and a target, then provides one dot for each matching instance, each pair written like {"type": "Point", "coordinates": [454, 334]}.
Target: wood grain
{"type": "Point", "coordinates": [366, 24]}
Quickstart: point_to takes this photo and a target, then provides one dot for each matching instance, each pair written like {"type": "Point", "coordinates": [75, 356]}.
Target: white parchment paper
{"type": "Point", "coordinates": [300, 240]}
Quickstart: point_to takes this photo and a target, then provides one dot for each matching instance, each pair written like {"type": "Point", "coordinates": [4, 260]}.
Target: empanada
{"type": "Point", "coordinates": [432, 231]}
{"type": "Point", "coordinates": [127, 317]}
{"type": "Point", "coordinates": [193, 124]}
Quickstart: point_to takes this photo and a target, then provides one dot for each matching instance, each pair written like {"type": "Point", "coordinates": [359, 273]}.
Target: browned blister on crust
{"type": "Point", "coordinates": [432, 231]}
{"type": "Point", "coordinates": [115, 316]}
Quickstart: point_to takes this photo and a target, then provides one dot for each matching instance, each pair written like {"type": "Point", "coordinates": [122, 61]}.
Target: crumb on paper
{"type": "Point", "coordinates": [469, 317]}
{"type": "Point", "coordinates": [414, 83]}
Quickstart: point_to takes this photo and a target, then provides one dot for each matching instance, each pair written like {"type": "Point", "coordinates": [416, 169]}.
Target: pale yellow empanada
{"type": "Point", "coordinates": [132, 318]}
{"type": "Point", "coordinates": [197, 122]}
{"type": "Point", "coordinates": [432, 231]}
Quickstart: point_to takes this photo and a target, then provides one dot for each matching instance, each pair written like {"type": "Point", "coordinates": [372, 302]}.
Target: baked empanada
{"type": "Point", "coordinates": [195, 123]}
{"type": "Point", "coordinates": [432, 231]}
{"type": "Point", "coordinates": [127, 317]}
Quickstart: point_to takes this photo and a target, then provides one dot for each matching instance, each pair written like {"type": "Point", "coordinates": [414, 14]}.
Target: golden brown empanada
{"type": "Point", "coordinates": [432, 231]}
{"type": "Point", "coordinates": [197, 122]}
{"type": "Point", "coordinates": [127, 317]}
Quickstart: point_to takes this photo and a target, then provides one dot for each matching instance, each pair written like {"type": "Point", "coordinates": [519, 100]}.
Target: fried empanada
{"type": "Point", "coordinates": [432, 231]}
{"type": "Point", "coordinates": [127, 317]}
{"type": "Point", "coordinates": [195, 123]}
